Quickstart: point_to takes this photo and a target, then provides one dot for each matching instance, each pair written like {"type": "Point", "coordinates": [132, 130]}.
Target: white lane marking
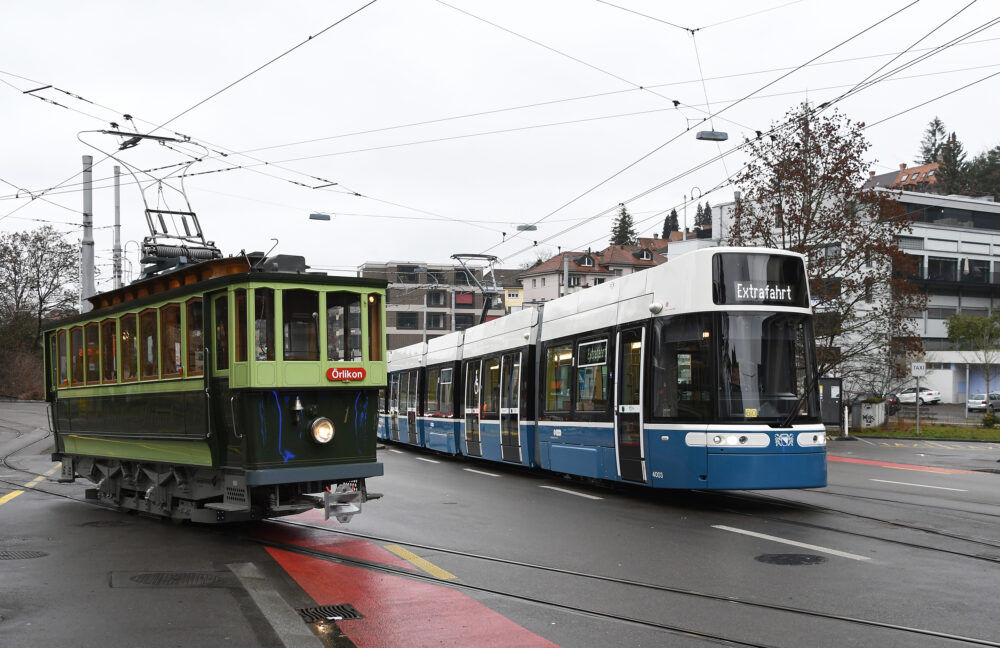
{"type": "Point", "coordinates": [569, 492]}
{"type": "Point", "coordinates": [842, 554]}
{"type": "Point", "coordinates": [886, 481]}
{"type": "Point", "coordinates": [396, 451]}
{"type": "Point", "coordinates": [427, 460]}
{"type": "Point", "coordinates": [480, 472]}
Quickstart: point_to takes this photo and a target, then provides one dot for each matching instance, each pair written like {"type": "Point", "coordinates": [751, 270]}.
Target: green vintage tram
{"type": "Point", "coordinates": [232, 389]}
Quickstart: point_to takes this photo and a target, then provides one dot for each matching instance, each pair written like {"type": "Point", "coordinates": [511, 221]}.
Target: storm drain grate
{"type": "Point", "coordinates": [10, 554]}
{"type": "Point", "coordinates": [176, 579]}
{"type": "Point", "coordinates": [339, 612]}
{"type": "Point", "coordinates": [790, 559]}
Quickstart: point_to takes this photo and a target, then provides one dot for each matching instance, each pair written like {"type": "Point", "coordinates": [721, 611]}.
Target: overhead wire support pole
{"type": "Point", "coordinates": [488, 291]}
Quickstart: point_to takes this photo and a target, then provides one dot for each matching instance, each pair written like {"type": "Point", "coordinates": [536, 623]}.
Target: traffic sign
{"type": "Point", "coordinates": [918, 369]}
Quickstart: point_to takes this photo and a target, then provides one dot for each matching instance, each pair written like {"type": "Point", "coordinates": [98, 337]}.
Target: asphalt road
{"type": "Point", "coordinates": [901, 549]}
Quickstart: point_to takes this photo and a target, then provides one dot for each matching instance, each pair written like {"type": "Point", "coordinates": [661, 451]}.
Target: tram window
{"type": "Point", "coordinates": [63, 366]}
{"type": "Point", "coordinates": [404, 391]}
{"type": "Point", "coordinates": [433, 386]}
{"type": "Point", "coordinates": [299, 312]}
{"type": "Point", "coordinates": [195, 340]}
{"type": "Point", "coordinates": [76, 355]}
{"type": "Point", "coordinates": [263, 324]}
{"type": "Point", "coordinates": [446, 402]}
{"type": "Point", "coordinates": [682, 375]}
{"type": "Point", "coordinates": [411, 392]}
{"type": "Point", "coordinates": [149, 365]}
{"type": "Point", "coordinates": [109, 346]}
{"type": "Point", "coordinates": [491, 389]}
{"type": "Point", "coordinates": [130, 351]}
{"type": "Point", "coordinates": [592, 377]}
{"type": "Point", "coordinates": [221, 309]}
{"type": "Point", "coordinates": [343, 326]}
{"type": "Point", "coordinates": [374, 328]}
{"type": "Point", "coordinates": [240, 297]}
{"type": "Point", "coordinates": [558, 365]}
{"type": "Point", "coordinates": [170, 340]}
{"type": "Point", "coordinates": [92, 355]}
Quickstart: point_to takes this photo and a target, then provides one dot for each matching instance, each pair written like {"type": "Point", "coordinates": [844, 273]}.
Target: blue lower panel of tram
{"type": "Point", "coordinates": [585, 449]}
{"type": "Point", "coordinates": [441, 435]}
{"type": "Point", "coordinates": [802, 469]}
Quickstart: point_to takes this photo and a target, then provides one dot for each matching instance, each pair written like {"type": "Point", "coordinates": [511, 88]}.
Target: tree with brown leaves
{"type": "Point", "coordinates": [802, 190]}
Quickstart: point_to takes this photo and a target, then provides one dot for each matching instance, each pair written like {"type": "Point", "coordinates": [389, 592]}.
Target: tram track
{"type": "Point", "coordinates": [795, 504]}
{"type": "Point", "coordinates": [645, 586]}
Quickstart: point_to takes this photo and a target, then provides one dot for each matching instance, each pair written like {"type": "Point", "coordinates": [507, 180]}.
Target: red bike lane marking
{"type": "Point", "coordinates": [334, 544]}
{"type": "Point", "coordinates": [886, 464]}
{"type": "Point", "coordinates": [399, 611]}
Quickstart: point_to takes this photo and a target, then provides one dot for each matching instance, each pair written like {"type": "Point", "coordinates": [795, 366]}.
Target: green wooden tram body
{"type": "Point", "coordinates": [193, 396]}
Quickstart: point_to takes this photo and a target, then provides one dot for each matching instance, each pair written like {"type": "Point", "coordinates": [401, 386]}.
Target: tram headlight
{"type": "Point", "coordinates": [323, 430]}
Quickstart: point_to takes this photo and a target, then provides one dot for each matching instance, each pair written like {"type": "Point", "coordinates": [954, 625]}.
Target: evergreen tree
{"type": "Point", "coordinates": [951, 174]}
{"type": "Point", "coordinates": [706, 216]}
{"type": "Point", "coordinates": [699, 215]}
{"type": "Point", "coordinates": [934, 137]}
{"type": "Point", "coordinates": [670, 224]}
{"type": "Point", "coordinates": [983, 174]}
{"type": "Point", "coordinates": [623, 229]}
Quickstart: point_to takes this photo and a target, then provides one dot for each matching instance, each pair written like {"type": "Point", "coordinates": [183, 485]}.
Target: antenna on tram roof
{"type": "Point", "coordinates": [489, 292]}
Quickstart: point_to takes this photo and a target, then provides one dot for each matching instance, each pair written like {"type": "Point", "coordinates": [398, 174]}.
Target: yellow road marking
{"type": "Point", "coordinates": [419, 562]}
{"type": "Point", "coordinates": [54, 468]}
{"type": "Point", "coordinates": [34, 482]}
{"type": "Point", "coordinates": [9, 496]}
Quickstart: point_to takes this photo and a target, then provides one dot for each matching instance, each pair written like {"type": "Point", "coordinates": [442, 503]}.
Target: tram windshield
{"type": "Point", "coordinates": [765, 366]}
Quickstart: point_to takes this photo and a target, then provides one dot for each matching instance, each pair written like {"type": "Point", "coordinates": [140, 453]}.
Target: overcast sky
{"type": "Point", "coordinates": [455, 121]}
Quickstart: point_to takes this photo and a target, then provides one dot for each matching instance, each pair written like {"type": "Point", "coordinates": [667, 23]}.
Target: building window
{"type": "Point", "coordinates": [910, 242]}
{"type": "Point", "coordinates": [543, 282]}
{"type": "Point", "coordinates": [974, 311]}
{"type": "Point", "coordinates": [465, 300]}
{"type": "Point", "coordinates": [586, 262]}
{"type": "Point", "coordinates": [408, 274]}
{"type": "Point", "coordinates": [942, 269]}
{"type": "Point", "coordinates": [941, 312]}
{"type": "Point", "coordinates": [534, 283]}
{"type": "Point", "coordinates": [574, 281]}
{"type": "Point", "coordinates": [406, 320]}
{"type": "Point", "coordinates": [464, 321]}
{"type": "Point", "coordinates": [436, 321]}
{"type": "Point", "coordinates": [513, 295]}
{"type": "Point", "coordinates": [599, 281]}
{"type": "Point", "coordinates": [435, 298]}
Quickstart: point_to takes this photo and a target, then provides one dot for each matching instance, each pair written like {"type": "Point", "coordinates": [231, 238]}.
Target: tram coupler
{"type": "Point", "coordinates": [344, 502]}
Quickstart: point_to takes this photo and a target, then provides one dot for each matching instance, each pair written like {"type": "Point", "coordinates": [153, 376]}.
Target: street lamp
{"type": "Point", "coordinates": [319, 217]}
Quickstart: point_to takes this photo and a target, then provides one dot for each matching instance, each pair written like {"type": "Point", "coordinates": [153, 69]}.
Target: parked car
{"type": "Point", "coordinates": [891, 404]}
{"type": "Point", "coordinates": [979, 403]}
{"type": "Point", "coordinates": [927, 396]}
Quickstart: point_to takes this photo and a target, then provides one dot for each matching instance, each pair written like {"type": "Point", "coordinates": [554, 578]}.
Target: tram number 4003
{"type": "Point", "coordinates": [657, 475]}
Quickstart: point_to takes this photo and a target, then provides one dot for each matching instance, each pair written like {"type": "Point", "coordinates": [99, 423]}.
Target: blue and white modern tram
{"type": "Point", "coordinates": [699, 373]}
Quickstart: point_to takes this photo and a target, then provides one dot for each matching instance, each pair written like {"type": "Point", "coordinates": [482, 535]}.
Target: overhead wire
{"type": "Point", "coordinates": [765, 86]}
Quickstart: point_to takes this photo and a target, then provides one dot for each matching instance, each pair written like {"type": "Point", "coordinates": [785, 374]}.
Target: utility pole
{"type": "Point", "coordinates": [118, 230]}
{"type": "Point", "coordinates": [87, 288]}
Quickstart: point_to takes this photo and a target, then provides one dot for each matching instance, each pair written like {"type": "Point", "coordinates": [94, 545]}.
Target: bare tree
{"type": "Point", "coordinates": [39, 273]}
{"type": "Point", "coordinates": [802, 191]}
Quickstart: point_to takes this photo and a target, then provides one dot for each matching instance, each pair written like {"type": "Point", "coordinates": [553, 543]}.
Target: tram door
{"type": "Point", "coordinates": [510, 407]}
{"type": "Point", "coordinates": [394, 408]}
{"type": "Point", "coordinates": [629, 441]}
{"type": "Point", "coordinates": [411, 408]}
{"type": "Point", "coordinates": [473, 447]}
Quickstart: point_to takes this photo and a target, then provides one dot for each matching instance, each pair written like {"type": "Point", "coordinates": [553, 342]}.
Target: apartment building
{"type": "Point", "coordinates": [425, 300]}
